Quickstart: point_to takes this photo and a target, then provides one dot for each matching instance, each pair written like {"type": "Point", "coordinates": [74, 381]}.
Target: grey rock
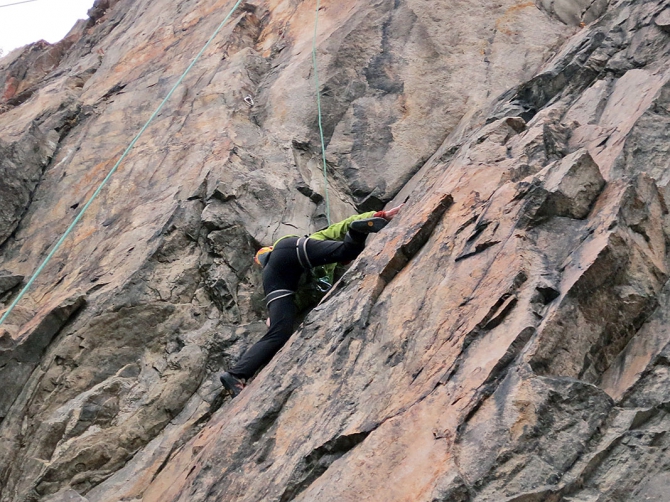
{"type": "Point", "coordinates": [66, 496]}
{"type": "Point", "coordinates": [599, 257]}
{"type": "Point", "coordinates": [21, 167]}
{"type": "Point", "coordinates": [9, 281]}
{"type": "Point", "coordinates": [663, 20]}
{"type": "Point", "coordinates": [504, 338]}
{"type": "Point", "coordinates": [573, 186]}
{"type": "Point", "coordinates": [546, 438]}
{"type": "Point", "coordinates": [575, 11]}
{"type": "Point", "coordinates": [20, 358]}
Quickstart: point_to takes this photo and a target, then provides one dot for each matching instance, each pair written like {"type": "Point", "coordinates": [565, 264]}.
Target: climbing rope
{"type": "Point", "coordinates": [113, 170]}
{"type": "Point", "coordinates": [318, 107]}
{"type": "Point", "coordinates": [17, 3]}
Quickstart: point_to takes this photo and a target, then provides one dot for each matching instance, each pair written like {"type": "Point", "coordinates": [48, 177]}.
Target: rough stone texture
{"type": "Point", "coordinates": [504, 339]}
{"type": "Point", "coordinates": [8, 281]}
{"type": "Point", "coordinates": [20, 354]}
{"type": "Point", "coordinates": [66, 496]}
{"type": "Point", "coordinates": [573, 186]}
{"type": "Point", "coordinates": [21, 166]}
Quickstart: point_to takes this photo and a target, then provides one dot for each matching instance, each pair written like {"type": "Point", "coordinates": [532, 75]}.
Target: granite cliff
{"type": "Point", "coordinates": [504, 339]}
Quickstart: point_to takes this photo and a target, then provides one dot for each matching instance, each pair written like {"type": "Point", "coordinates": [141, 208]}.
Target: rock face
{"type": "Point", "coordinates": [505, 338]}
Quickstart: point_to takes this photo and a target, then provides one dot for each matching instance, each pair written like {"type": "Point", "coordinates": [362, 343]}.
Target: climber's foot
{"type": "Point", "coordinates": [232, 383]}
{"type": "Point", "coordinates": [368, 225]}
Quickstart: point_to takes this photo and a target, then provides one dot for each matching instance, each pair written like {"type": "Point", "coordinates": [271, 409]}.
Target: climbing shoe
{"type": "Point", "coordinates": [368, 225]}
{"type": "Point", "coordinates": [232, 383]}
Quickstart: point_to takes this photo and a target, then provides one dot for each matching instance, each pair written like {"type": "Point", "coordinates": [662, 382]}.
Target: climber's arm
{"type": "Point", "coordinates": [337, 231]}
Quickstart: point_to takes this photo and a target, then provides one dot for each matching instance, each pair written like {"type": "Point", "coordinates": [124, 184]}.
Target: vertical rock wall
{"type": "Point", "coordinates": [503, 339]}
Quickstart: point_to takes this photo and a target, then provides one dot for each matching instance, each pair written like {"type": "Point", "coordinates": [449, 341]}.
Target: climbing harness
{"type": "Point", "coordinates": [317, 277]}
{"type": "Point", "coordinates": [318, 107]}
{"type": "Point", "coordinates": [277, 294]}
{"type": "Point", "coordinates": [113, 170]}
{"type": "Point", "coordinates": [303, 259]}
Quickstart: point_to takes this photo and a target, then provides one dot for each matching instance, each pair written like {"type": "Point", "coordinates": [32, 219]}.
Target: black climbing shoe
{"type": "Point", "coordinates": [368, 225]}
{"type": "Point", "coordinates": [232, 383]}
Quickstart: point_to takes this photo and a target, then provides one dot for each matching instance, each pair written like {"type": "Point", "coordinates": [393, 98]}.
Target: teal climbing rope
{"type": "Point", "coordinates": [118, 163]}
{"type": "Point", "coordinates": [17, 3]}
{"type": "Point", "coordinates": [318, 107]}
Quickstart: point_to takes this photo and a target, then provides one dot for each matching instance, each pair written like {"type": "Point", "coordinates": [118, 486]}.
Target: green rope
{"type": "Point", "coordinates": [99, 189]}
{"type": "Point", "coordinates": [318, 106]}
{"type": "Point", "coordinates": [17, 3]}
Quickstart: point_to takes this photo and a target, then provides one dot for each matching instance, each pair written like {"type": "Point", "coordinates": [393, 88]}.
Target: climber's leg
{"type": "Point", "coordinates": [282, 317]}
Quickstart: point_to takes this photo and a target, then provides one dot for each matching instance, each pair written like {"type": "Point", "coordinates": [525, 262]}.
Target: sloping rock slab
{"type": "Point", "coordinates": [19, 359]}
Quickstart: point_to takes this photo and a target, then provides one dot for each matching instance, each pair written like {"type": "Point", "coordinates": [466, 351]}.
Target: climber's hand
{"type": "Point", "coordinates": [388, 215]}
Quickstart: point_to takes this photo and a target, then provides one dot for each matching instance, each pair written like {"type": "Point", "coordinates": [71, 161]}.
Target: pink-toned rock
{"type": "Point", "coordinates": [11, 86]}
{"type": "Point", "coordinates": [573, 184]}
{"type": "Point", "coordinates": [663, 20]}
{"type": "Point", "coordinates": [503, 339]}
{"type": "Point", "coordinates": [620, 269]}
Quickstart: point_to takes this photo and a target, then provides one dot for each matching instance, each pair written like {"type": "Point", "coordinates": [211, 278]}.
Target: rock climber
{"type": "Point", "coordinates": [284, 264]}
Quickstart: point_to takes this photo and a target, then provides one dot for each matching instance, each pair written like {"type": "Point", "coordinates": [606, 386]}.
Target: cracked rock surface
{"type": "Point", "coordinates": [505, 338]}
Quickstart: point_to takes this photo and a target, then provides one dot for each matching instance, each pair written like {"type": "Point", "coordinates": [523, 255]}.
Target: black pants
{"type": "Point", "coordinates": [282, 272]}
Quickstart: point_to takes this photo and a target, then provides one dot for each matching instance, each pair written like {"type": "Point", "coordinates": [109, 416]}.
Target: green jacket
{"type": "Point", "coordinates": [334, 232]}
{"type": "Point", "coordinates": [308, 295]}
{"type": "Point", "coordinates": [337, 231]}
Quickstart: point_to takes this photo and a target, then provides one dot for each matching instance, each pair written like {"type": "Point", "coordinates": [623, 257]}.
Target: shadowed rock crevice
{"type": "Point", "coordinates": [616, 279]}
{"type": "Point", "coordinates": [317, 462]}
{"type": "Point", "coordinates": [536, 93]}
{"type": "Point", "coordinates": [20, 354]}
{"type": "Point", "coordinates": [21, 166]}
{"type": "Point", "coordinates": [8, 282]}
{"type": "Point", "coordinates": [574, 12]}
{"type": "Point", "coordinates": [417, 239]}
{"type": "Point", "coordinates": [553, 419]}
{"type": "Point", "coordinates": [263, 423]}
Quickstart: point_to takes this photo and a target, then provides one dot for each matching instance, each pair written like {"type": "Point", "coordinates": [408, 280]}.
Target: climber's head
{"type": "Point", "coordinates": [263, 255]}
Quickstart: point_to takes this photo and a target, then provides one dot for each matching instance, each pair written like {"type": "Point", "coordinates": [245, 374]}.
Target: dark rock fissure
{"type": "Point", "coordinates": [408, 250]}
{"type": "Point", "coordinates": [318, 461]}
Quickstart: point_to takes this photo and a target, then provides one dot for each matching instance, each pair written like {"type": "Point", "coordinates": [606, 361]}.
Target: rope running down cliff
{"type": "Point", "coordinates": [113, 170]}
{"type": "Point", "coordinates": [318, 107]}
{"type": "Point", "coordinates": [17, 3]}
